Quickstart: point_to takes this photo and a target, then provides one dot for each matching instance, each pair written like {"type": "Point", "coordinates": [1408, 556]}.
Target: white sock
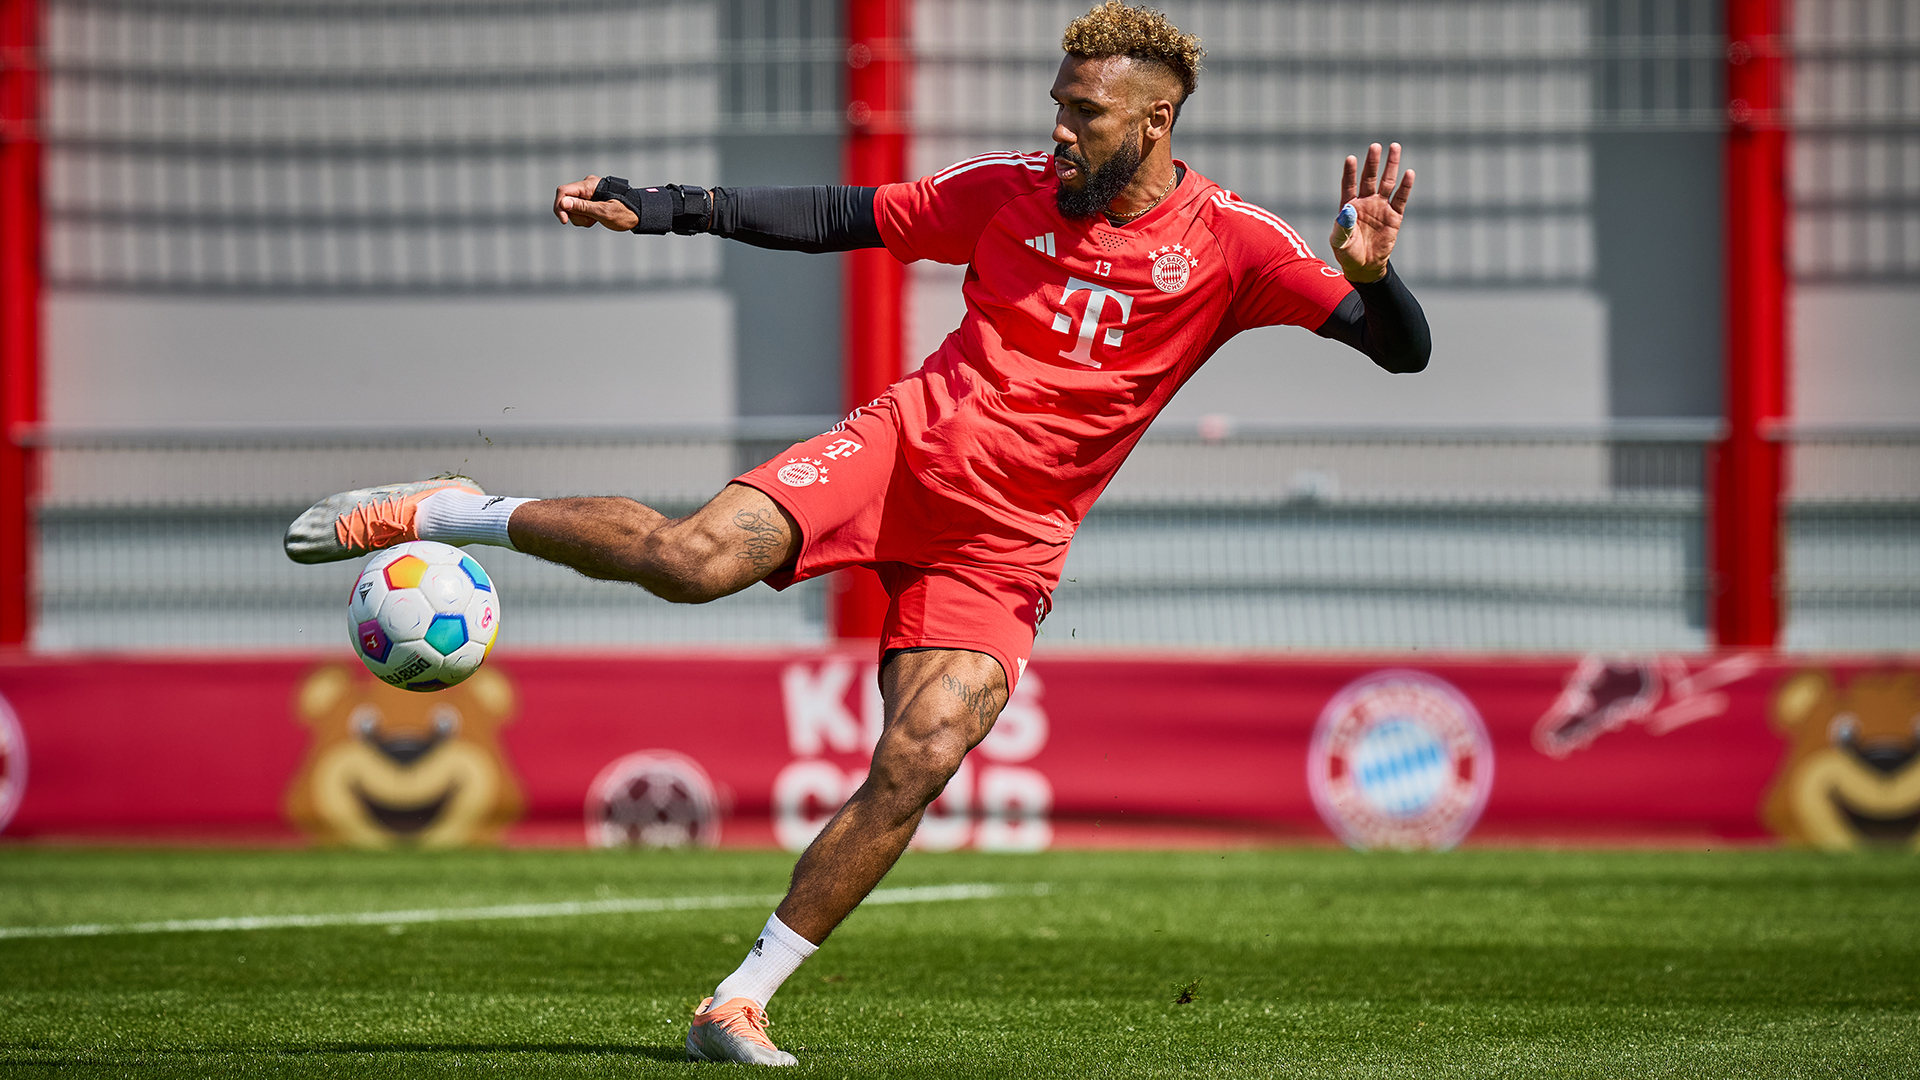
{"type": "Point", "coordinates": [461, 517]}
{"type": "Point", "coordinates": [776, 955]}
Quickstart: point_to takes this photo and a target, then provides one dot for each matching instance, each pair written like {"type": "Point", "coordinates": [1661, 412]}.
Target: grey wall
{"type": "Point", "coordinates": [658, 355]}
{"type": "Point", "coordinates": [1856, 354]}
{"type": "Point", "coordinates": [1657, 246]}
{"type": "Point", "coordinates": [786, 315]}
{"type": "Point", "coordinates": [1656, 207]}
{"type": "Point", "coordinates": [1521, 357]}
{"type": "Point", "coordinates": [786, 304]}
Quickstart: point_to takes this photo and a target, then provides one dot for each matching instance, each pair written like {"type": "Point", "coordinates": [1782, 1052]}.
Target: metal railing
{"type": "Point", "coordinates": [363, 147]}
{"type": "Point", "coordinates": [1852, 569]}
{"type": "Point", "coordinates": [1444, 539]}
{"type": "Point", "coordinates": [170, 539]}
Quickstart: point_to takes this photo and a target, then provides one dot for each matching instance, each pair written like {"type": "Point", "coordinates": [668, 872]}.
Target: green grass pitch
{"type": "Point", "coordinates": [1300, 963]}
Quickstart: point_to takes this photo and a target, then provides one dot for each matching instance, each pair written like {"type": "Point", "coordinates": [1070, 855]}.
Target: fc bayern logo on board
{"type": "Point", "coordinates": [653, 798]}
{"type": "Point", "coordinates": [1400, 759]}
{"type": "Point", "coordinates": [13, 763]}
{"type": "Point", "coordinates": [799, 472]}
{"type": "Point", "coordinates": [1172, 265]}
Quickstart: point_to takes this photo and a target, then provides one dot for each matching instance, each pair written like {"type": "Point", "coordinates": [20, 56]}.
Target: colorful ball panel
{"type": "Point", "coordinates": [447, 633]}
{"type": "Point", "coordinates": [475, 574]}
{"type": "Point", "coordinates": [405, 572]}
{"type": "Point", "coordinates": [374, 644]}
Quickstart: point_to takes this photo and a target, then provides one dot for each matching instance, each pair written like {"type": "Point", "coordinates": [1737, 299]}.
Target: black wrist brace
{"type": "Point", "coordinates": [669, 209]}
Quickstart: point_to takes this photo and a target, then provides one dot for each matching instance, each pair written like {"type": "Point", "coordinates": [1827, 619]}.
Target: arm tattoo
{"type": "Point", "coordinates": [980, 702]}
{"type": "Point", "coordinates": [763, 538]}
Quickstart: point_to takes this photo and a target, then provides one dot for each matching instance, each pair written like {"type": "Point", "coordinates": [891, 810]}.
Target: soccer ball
{"type": "Point", "coordinates": [423, 615]}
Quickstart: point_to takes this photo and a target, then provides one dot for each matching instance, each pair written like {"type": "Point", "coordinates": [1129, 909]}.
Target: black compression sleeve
{"type": "Point", "coordinates": [1382, 319]}
{"type": "Point", "coordinates": [813, 219]}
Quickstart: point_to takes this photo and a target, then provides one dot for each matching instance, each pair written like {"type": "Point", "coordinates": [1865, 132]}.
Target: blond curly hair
{"type": "Point", "coordinates": [1115, 29]}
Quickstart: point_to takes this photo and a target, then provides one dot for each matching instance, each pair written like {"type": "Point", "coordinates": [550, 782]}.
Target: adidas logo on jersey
{"type": "Point", "coordinates": [1042, 244]}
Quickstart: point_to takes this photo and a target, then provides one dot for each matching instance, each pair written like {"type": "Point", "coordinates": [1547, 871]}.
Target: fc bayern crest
{"type": "Point", "coordinates": [1172, 265]}
{"type": "Point", "coordinates": [654, 798]}
{"type": "Point", "coordinates": [13, 764]}
{"type": "Point", "coordinates": [800, 472]}
{"type": "Point", "coordinates": [1400, 759]}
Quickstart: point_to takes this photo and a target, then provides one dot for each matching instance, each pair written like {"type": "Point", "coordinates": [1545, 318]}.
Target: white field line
{"type": "Point", "coordinates": [923, 894]}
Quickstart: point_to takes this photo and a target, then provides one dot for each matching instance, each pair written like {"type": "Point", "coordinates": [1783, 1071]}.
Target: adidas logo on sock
{"type": "Point", "coordinates": [760, 947]}
{"type": "Point", "coordinates": [1042, 244]}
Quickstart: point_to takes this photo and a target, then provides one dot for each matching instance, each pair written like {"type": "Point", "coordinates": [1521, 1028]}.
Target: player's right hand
{"type": "Point", "coordinates": [573, 204]}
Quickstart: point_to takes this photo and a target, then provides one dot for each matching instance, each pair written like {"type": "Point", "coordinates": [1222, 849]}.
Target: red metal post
{"type": "Point", "coordinates": [879, 78]}
{"type": "Point", "coordinates": [1748, 481]}
{"type": "Point", "coordinates": [19, 306]}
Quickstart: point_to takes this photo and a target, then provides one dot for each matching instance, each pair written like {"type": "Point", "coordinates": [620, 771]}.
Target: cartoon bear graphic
{"type": "Point", "coordinates": [1851, 776]}
{"type": "Point", "coordinates": [389, 768]}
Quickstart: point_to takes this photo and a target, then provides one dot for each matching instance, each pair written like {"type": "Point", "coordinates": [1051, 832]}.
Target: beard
{"type": "Point", "coordinates": [1103, 184]}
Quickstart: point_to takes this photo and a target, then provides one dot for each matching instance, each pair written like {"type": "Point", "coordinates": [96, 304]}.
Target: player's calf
{"type": "Point", "coordinates": [738, 538]}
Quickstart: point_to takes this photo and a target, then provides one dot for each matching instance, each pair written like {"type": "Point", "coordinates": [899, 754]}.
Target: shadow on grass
{"type": "Point", "coordinates": [657, 1053]}
{"type": "Point", "coordinates": [69, 1054]}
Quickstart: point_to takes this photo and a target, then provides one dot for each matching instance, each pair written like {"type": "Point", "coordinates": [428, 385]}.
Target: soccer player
{"type": "Point", "coordinates": [1100, 277]}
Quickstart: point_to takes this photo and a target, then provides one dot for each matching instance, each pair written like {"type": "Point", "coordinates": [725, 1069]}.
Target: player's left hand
{"type": "Point", "coordinates": [1363, 239]}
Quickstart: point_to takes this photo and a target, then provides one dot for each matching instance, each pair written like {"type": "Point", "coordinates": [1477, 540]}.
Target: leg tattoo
{"type": "Point", "coordinates": [979, 701]}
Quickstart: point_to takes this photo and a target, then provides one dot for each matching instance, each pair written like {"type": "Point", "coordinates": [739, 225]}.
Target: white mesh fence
{"type": "Point", "coordinates": [1445, 540]}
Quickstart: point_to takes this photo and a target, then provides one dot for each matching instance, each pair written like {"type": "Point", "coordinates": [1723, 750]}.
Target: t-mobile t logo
{"type": "Point", "coordinates": [1097, 296]}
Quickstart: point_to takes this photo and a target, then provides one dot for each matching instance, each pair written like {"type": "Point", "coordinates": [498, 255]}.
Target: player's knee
{"type": "Point", "coordinates": [913, 768]}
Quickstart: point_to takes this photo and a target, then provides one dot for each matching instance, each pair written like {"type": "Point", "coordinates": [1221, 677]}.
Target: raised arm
{"type": "Point", "coordinates": [1380, 318]}
{"type": "Point", "coordinates": [813, 219]}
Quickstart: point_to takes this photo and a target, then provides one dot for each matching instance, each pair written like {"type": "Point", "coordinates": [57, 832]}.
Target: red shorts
{"type": "Point", "coordinates": [958, 577]}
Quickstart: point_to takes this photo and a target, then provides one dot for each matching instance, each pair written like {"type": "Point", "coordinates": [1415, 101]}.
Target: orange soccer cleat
{"type": "Point", "coordinates": [736, 1031]}
{"type": "Point", "coordinates": [353, 523]}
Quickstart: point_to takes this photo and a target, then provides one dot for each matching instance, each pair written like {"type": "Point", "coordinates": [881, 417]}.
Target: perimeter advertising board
{"type": "Point", "coordinates": [760, 748]}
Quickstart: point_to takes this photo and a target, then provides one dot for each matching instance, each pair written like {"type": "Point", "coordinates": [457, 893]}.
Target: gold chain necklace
{"type": "Point", "coordinates": [1121, 219]}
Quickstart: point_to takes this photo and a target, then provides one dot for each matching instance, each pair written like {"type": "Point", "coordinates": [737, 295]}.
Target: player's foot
{"type": "Point", "coordinates": [736, 1031]}
{"type": "Point", "coordinates": [353, 523]}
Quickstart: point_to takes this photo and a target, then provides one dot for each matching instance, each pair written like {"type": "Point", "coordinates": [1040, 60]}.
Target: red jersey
{"type": "Point", "coordinates": [1077, 331]}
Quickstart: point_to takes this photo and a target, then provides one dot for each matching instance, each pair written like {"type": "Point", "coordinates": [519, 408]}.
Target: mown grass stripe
{"type": "Point", "coordinates": [925, 894]}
